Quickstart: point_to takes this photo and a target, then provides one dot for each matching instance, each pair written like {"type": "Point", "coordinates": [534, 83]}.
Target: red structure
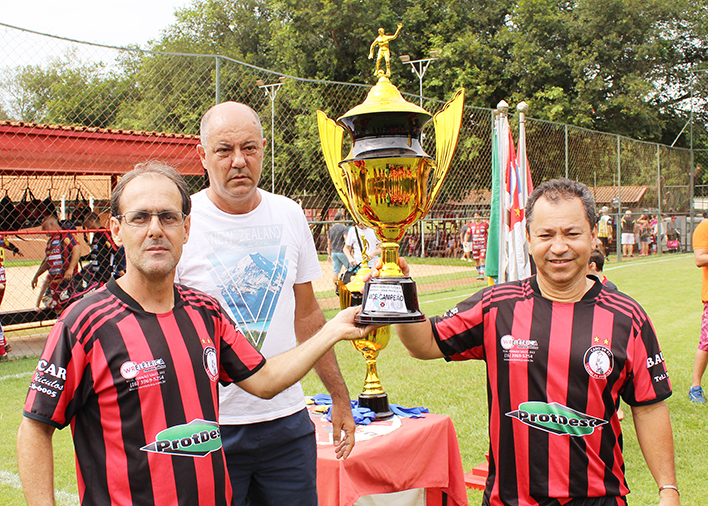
{"type": "Point", "coordinates": [42, 149]}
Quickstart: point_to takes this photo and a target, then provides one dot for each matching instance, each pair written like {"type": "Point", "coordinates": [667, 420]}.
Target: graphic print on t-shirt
{"type": "Point", "coordinates": [249, 269]}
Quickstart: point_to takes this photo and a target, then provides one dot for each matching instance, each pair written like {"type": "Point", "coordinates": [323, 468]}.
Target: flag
{"type": "Point", "coordinates": [511, 183]}
{"type": "Point", "coordinates": [517, 182]}
{"type": "Point", "coordinates": [492, 260]}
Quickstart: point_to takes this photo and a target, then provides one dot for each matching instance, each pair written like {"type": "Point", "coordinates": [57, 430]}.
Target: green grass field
{"type": "Point", "coordinates": [668, 287]}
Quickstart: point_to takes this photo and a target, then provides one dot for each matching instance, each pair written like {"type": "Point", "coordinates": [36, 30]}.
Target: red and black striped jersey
{"type": "Point", "coordinates": [140, 392]}
{"type": "Point", "coordinates": [555, 372]}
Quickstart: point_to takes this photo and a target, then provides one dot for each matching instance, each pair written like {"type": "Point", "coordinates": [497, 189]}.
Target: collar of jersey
{"type": "Point", "coordinates": [589, 295]}
{"type": "Point", "coordinates": [116, 290]}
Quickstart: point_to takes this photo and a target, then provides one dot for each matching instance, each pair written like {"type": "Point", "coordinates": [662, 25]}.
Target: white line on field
{"type": "Point", "coordinates": [15, 376]}
{"type": "Point", "coordinates": [63, 498]}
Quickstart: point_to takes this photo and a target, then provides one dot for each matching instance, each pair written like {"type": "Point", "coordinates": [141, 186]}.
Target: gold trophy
{"type": "Point", "coordinates": [373, 395]}
{"type": "Point", "coordinates": [387, 181]}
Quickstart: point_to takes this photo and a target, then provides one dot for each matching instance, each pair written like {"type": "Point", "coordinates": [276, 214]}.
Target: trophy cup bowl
{"type": "Point", "coordinates": [373, 395]}
{"type": "Point", "coordinates": [388, 182]}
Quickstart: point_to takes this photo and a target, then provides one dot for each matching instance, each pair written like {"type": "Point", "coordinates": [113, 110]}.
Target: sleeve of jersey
{"type": "Point", "coordinates": [239, 358]}
{"type": "Point", "coordinates": [460, 332]}
{"type": "Point", "coordinates": [648, 380]}
{"type": "Point", "coordinates": [61, 381]}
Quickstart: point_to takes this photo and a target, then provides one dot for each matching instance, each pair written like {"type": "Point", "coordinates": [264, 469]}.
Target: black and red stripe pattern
{"type": "Point", "coordinates": [555, 372]}
{"type": "Point", "coordinates": [122, 376]}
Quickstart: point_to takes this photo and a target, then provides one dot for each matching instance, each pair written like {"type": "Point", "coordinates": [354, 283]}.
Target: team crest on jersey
{"type": "Point", "coordinates": [211, 365]}
{"type": "Point", "coordinates": [599, 362]}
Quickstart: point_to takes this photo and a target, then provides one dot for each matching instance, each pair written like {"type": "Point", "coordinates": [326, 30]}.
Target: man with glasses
{"type": "Point", "coordinates": [134, 368]}
{"type": "Point", "coordinates": [254, 252]}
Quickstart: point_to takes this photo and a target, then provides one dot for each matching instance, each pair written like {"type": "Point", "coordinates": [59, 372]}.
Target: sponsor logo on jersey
{"type": "Point", "coordinates": [130, 369]}
{"type": "Point", "coordinates": [197, 438]}
{"type": "Point", "coordinates": [48, 379]}
{"type": "Point", "coordinates": [599, 362]}
{"type": "Point", "coordinates": [211, 365]}
{"type": "Point", "coordinates": [518, 350]}
{"type": "Point", "coordinates": [450, 312]}
{"type": "Point", "coordinates": [556, 418]}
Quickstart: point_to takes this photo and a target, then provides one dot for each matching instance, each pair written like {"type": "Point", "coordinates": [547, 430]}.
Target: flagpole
{"type": "Point", "coordinates": [503, 134]}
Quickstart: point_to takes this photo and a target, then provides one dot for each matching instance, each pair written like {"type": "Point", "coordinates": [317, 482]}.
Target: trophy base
{"type": "Point", "coordinates": [378, 404]}
{"type": "Point", "coordinates": [389, 301]}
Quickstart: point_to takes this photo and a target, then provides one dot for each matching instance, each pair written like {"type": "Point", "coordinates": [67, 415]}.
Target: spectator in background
{"type": "Point", "coordinates": [118, 262]}
{"type": "Point", "coordinates": [605, 225]}
{"type": "Point", "coordinates": [700, 252]}
{"type": "Point", "coordinates": [4, 244]}
{"type": "Point", "coordinates": [60, 262]}
{"type": "Point", "coordinates": [595, 266]}
{"type": "Point", "coordinates": [627, 224]}
{"type": "Point", "coordinates": [466, 243]}
{"type": "Point", "coordinates": [335, 245]}
{"type": "Point", "coordinates": [102, 249]}
{"type": "Point", "coordinates": [361, 238]}
{"type": "Point", "coordinates": [644, 232]}
{"type": "Point", "coordinates": [477, 233]}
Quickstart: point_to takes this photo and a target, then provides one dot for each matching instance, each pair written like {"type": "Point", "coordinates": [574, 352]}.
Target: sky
{"type": "Point", "coordinates": [114, 23]}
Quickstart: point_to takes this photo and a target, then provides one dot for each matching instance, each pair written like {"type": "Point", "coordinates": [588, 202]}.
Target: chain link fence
{"type": "Point", "coordinates": [74, 116]}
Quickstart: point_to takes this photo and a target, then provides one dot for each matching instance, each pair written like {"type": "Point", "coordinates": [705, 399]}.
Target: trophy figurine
{"type": "Point", "coordinates": [373, 395]}
{"type": "Point", "coordinates": [388, 182]}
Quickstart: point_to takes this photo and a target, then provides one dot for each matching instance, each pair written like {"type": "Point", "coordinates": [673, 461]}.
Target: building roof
{"type": "Point", "coordinates": [39, 148]}
{"type": "Point", "coordinates": [627, 194]}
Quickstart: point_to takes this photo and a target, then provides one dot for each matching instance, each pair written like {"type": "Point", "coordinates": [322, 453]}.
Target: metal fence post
{"type": "Point", "coordinates": [660, 220]}
{"type": "Point", "coordinates": [619, 202]}
{"type": "Point", "coordinates": [218, 81]}
{"type": "Point", "coordinates": [566, 151]}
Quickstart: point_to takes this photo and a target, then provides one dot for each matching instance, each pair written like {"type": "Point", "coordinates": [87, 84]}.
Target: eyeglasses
{"type": "Point", "coordinates": [143, 218]}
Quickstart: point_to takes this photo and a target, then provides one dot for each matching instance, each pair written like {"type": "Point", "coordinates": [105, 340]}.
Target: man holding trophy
{"type": "Point", "coordinates": [560, 349]}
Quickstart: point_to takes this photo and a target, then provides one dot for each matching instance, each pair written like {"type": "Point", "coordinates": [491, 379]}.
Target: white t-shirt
{"type": "Point", "coordinates": [250, 262]}
{"type": "Point", "coordinates": [371, 239]}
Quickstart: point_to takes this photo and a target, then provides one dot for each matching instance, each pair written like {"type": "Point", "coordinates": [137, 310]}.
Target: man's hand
{"type": "Point", "coordinates": [342, 420]}
{"type": "Point", "coordinates": [34, 282]}
{"type": "Point", "coordinates": [67, 275]}
{"type": "Point", "coordinates": [669, 497]}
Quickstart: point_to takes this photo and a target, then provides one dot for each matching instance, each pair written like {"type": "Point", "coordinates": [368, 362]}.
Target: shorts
{"type": "Point", "coordinates": [466, 247]}
{"type": "Point", "coordinates": [339, 260]}
{"type": "Point", "coordinates": [2, 274]}
{"type": "Point", "coordinates": [479, 254]}
{"type": "Point", "coordinates": [703, 342]}
{"type": "Point", "coordinates": [627, 238]}
{"type": "Point", "coordinates": [272, 462]}
{"type": "Point", "coordinates": [605, 242]}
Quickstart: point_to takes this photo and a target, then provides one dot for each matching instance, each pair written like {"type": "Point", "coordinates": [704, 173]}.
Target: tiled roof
{"type": "Point", "coordinates": [70, 128]}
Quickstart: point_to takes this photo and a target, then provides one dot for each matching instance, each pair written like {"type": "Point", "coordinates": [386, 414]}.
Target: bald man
{"type": "Point", "coordinates": [253, 250]}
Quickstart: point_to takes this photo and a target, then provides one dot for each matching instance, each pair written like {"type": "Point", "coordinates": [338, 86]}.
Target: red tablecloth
{"type": "Point", "coordinates": [422, 453]}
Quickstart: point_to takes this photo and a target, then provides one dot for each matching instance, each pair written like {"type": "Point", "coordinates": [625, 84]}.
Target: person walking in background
{"type": "Point", "coordinates": [627, 225]}
{"type": "Point", "coordinates": [336, 236]}
{"type": "Point", "coordinates": [5, 348]}
{"type": "Point", "coordinates": [700, 253]}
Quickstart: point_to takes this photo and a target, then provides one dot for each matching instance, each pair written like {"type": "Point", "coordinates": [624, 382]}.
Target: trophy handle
{"type": "Point", "coordinates": [331, 135]}
{"type": "Point", "coordinates": [447, 131]}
